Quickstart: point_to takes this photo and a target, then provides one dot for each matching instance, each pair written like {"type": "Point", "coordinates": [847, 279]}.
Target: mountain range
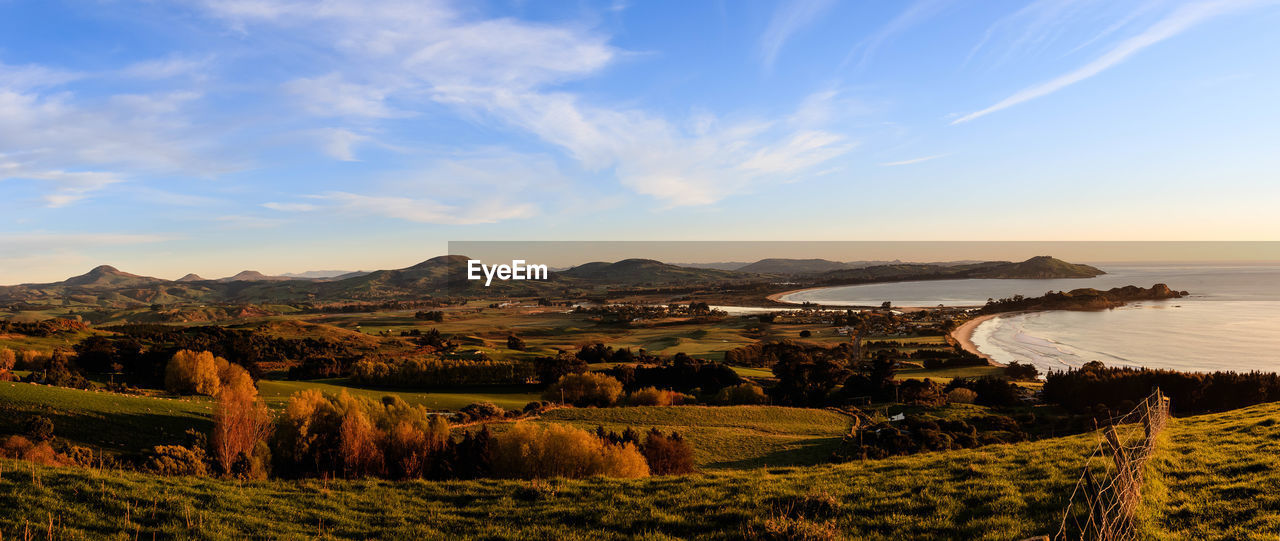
{"type": "Point", "coordinates": [445, 276]}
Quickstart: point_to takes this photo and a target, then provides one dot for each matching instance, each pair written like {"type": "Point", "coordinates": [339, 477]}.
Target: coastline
{"type": "Point", "coordinates": [963, 335]}
{"type": "Point", "coordinates": [777, 297]}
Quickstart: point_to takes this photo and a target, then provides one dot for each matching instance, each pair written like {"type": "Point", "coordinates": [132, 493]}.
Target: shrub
{"type": "Point", "coordinates": [21, 448]}
{"type": "Point", "coordinates": [528, 451]}
{"type": "Point", "coordinates": [7, 359]}
{"type": "Point", "coordinates": [960, 395]}
{"type": "Point", "coordinates": [176, 460]}
{"type": "Point", "coordinates": [745, 394]}
{"type": "Point", "coordinates": [480, 411]}
{"type": "Point", "coordinates": [515, 342]}
{"type": "Point", "coordinates": [329, 434]}
{"type": "Point", "coordinates": [38, 428]}
{"type": "Point", "coordinates": [667, 455]}
{"type": "Point", "coordinates": [589, 389]}
{"type": "Point", "coordinates": [920, 392]}
{"type": "Point", "coordinates": [805, 333]}
{"type": "Point", "coordinates": [652, 396]}
{"type": "Point", "coordinates": [1019, 371]}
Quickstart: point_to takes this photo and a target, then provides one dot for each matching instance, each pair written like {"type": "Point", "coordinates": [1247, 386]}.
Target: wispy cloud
{"type": "Point", "coordinates": [789, 18]}
{"type": "Point", "coordinates": [913, 161]}
{"type": "Point", "coordinates": [1175, 23]}
{"type": "Point", "coordinates": [917, 12]}
{"type": "Point", "coordinates": [510, 71]}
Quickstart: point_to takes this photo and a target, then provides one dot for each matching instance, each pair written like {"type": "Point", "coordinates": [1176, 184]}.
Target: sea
{"type": "Point", "coordinates": [1230, 320]}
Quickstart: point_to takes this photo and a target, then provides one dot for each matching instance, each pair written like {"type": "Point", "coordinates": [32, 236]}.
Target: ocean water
{"type": "Point", "coordinates": [1231, 320]}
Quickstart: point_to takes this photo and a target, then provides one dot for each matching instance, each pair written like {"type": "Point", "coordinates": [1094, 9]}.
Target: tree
{"type": "Point", "coordinates": [515, 342]}
{"type": "Point", "coordinates": [551, 369]}
{"type": "Point", "coordinates": [589, 389]}
{"type": "Point", "coordinates": [7, 359]}
{"type": "Point", "coordinates": [241, 423]}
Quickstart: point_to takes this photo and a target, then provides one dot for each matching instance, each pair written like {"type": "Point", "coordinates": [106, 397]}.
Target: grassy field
{"type": "Point", "coordinates": [1218, 477]}
{"type": "Point", "coordinates": [1213, 477]}
{"type": "Point", "coordinates": [728, 436]}
{"type": "Point", "coordinates": [999, 492]}
{"type": "Point", "coordinates": [277, 392]}
{"type": "Point", "coordinates": [105, 421]}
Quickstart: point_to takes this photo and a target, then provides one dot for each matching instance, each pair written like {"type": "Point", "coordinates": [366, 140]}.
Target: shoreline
{"type": "Point", "coordinates": [777, 297]}
{"type": "Point", "coordinates": [963, 335]}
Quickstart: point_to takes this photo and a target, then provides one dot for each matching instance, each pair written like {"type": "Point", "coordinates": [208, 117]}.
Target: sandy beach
{"type": "Point", "coordinates": [777, 297]}
{"type": "Point", "coordinates": [964, 336]}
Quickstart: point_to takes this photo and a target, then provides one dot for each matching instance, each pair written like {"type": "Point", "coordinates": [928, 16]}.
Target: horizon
{"type": "Point", "coordinates": [178, 137]}
{"type": "Point", "coordinates": [298, 274]}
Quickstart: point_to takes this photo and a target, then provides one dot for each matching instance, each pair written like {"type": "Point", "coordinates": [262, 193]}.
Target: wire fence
{"type": "Point", "coordinates": [1105, 502]}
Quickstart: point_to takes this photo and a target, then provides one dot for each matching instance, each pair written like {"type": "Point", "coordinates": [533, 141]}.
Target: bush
{"type": "Point", "coordinates": [480, 411]}
{"type": "Point", "coordinates": [176, 460]}
{"type": "Point", "coordinates": [589, 389]}
{"type": "Point", "coordinates": [667, 455]}
{"type": "Point", "coordinates": [960, 395]}
{"type": "Point", "coordinates": [515, 342]}
{"type": "Point", "coordinates": [1019, 371]}
{"type": "Point", "coordinates": [652, 396]}
{"type": "Point", "coordinates": [745, 394]}
{"type": "Point", "coordinates": [528, 451]}
{"type": "Point", "coordinates": [7, 359]}
{"type": "Point", "coordinates": [20, 448]}
{"type": "Point", "coordinates": [322, 434]}
{"type": "Point", "coordinates": [38, 428]}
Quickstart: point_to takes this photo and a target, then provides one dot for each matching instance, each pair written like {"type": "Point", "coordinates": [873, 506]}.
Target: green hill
{"type": "Point", "coordinates": [1213, 476]}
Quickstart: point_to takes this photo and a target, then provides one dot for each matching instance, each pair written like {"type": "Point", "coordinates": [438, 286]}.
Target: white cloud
{"type": "Point", "coordinates": [290, 207]}
{"type": "Point", "coordinates": [913, 161]}
{"type": "Point", "coordinates": [79, 148]}
{"type": "Point", "coordinates": [167, 68]}
{"type": "Point", "coordinates": [425, 210]}
{"type": "Point", "coordinates": [1180, 20]}
{"type": "Point", "coordinates": [788, 19]}
{"type": "Point", "coordinates": [340, 144]}
{"type": "Point", "coordinates": [508, 70]}
{"type": "Point", "coordinates": [31, 76]}
{"type": "Point", "coordinates": [332, 95]}
{"type": "Point", "coordinates": [916, 13]}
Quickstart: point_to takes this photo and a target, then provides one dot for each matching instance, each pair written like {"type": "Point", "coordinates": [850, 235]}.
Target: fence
{"type": "Point", "coordinates": [1105, 501]}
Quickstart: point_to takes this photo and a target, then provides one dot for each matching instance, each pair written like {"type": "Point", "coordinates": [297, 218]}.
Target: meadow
{"type": "Point", "coordinates": [1213, 477]}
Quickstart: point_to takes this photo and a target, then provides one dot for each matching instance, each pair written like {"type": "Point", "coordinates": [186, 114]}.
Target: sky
{"type": "Point", "coordinates": [290, 135]}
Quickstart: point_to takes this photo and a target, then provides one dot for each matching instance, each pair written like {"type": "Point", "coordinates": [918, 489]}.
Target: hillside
{"type": "Point", "coordinates": [1039, 267]}
{"type": "Point", "coordinates": [792, 266]}
{"type": "Point", "coordinates": [642, 272]}
{"type": "Point", "coordinates": [1212, 477]}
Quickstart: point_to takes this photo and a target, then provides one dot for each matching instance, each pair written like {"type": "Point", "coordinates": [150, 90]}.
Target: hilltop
{"type": "Point", "coordinates": [792, 266]}
{"type": "Point", "coordinates": [1040, 267]}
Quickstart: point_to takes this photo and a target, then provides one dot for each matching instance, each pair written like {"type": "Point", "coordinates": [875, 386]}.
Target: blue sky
{"type": "Point", "coordinates": [285, 135]}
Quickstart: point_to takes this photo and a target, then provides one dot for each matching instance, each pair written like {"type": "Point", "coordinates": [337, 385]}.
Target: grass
{"type": "Point", "coordinates": [1000, 492]}
{"type": "Point", "coordinates": [728, 436]}
{"type": "Point", "coordinates": [277, 392]}
{"type": "Point", "coordinates": [1218, 476]}
{"type": "Point", "coordinates": [1212, 477]}
{"type": "Point", "coordinates": [105, 421]}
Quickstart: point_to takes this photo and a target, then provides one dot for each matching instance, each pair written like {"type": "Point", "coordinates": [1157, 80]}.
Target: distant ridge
{"type": "Point", "coordinates": [792, 266]}
{"type": "Point", "coordinates": [253, 276]}
{"type": "Point", "coordinates": [191, 277]}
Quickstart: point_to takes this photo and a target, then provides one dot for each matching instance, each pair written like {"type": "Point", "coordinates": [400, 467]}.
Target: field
{"type": "Point", "coordinates": [1213, 477]}
{"type": "Point", "coordinates": [277, 392]}
{"type": "Point", "coordinates": [1003, 492]}
{"type": "Point", "coordinates": [729, 436]}
{"type": "Point", "coordinates": [105, 421]}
